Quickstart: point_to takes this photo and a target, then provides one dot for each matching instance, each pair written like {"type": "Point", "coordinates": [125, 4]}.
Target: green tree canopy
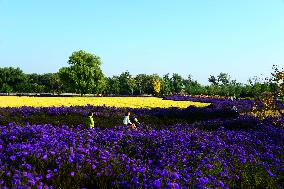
{"type": "Point", "coordinates": [127, 83]}
{"type": "Point", "coordinates": [84, 74]}
{"type": "Point", "coordinates": [177, 83]}
{"type": "Point", "coordinates": [12, 80]}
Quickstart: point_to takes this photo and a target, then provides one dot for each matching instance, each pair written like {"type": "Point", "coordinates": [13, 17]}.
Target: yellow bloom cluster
{"type": "Point", "coordinates": [133, 102]}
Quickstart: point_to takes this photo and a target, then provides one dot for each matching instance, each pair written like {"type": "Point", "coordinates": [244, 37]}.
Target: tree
{"type": "Point", "coordinates": [223, 78]}
{"type": "Point", "coordinates": [12, 80]}
{"type": "Point", "coordinates": [34, 85]}
{"type": "Point", "coordinates": [166, 85]}
{"type": "Point", "coordinates": [141, 81]}
{"type": "Point", "coordinates": [84, 74]}
{"type": "Point", "coordinates": [155, 84]}
{"type": "Point", "coordinates": [271, 101]}
{"type": "Point", "coordinates": [102, 86]}
{"type": "Point", "coordinates": [113, 85]}
{"type": "Point", "coordinates": [277, 82]}
{"type": "Point", "coordinates": [67, 81]}
{"type": "Point", "coordinates": [40, 83]}
{"type": "Point", "coordinates": [212, 79]}
{"type": "Point", "coordinates": [127, 83]}
{"type": "Point", "coordinates": [177, 83]}
{"type": "Point", "coordinates": [56, 84]}
{"type": "Point", "coordinates": [193, 87]}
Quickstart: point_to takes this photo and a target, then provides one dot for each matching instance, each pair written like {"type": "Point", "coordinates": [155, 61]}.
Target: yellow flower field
{"type": "Point", "coordinates": [133, 102]}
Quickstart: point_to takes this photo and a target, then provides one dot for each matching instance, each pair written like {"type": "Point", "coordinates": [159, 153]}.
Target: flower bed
{"type": "Point", "coordinates": [178, 156]}
{"type": "Point", "coordinates": [108, 117]}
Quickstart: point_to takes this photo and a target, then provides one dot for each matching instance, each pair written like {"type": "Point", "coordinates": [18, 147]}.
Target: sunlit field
{"type": "Point", "coordinates": [211, 147]}
{"type": "Point", "coordinates": [132, 102]}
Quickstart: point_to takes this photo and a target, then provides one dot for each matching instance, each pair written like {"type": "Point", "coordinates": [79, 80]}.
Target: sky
{"type": "Point", "coordinates": [243, 38]}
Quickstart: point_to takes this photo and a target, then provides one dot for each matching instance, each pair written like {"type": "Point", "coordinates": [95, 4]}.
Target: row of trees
{"type": "Point", "coordinates": [84, 76]}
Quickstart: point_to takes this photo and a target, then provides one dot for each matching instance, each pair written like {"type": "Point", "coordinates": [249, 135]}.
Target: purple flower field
{"type": "Point", "coordinates": [241, 104]}
{"type": "Point", "coordinates": [174, 156]}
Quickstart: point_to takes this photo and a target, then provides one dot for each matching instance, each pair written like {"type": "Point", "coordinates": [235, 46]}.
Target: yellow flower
{"type": "Point", "coordinates": [132, 102]}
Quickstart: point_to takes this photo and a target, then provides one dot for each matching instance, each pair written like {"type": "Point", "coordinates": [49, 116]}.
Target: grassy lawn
{"type": "Point", "coordinates": [133, 102]}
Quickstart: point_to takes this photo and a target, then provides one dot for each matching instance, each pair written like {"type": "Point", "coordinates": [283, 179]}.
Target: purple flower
{"type": "Point", "coordinates": [28, 166]}
{"type": "Point", "coordinates": [203, 181]}
{"type": "Point", "coordinates": [271, 174]}
{"type": "Point", "coordinates": [220, 183]}
{"type": "Point", "coordinates": [175, 186]}
{"type": "Point", "coordinates": [123, 156]}
{"type": "Point", "coordinates": [176, 175]}
{"type": "Point", "coordinates": [209, 166]}
{"type": "Point", "coordinates": [157, 183]}
{"type": "Point", "coordinates": [222, 174]}
{"type": "Point", "coordinates": [45, 157]}
{"type": "Point", "coordinates": [72, 174]}
{"type": "Point", "coordinates": [165, 172]}
{"type": "Point", "coordinates": [94, 166]}
{"type": "Point", "coordinates": [16, 175]}
{"type": "Point", "coordinates": [48, 176]}
{"type": "Point", "coordinates": [16, 181]}
{"type": "Point", "coordinates": [13, 158]}
{"type": "Point", "coordinates": [32, 182]}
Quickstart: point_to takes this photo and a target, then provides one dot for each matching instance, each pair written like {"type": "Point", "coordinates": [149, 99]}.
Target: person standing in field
{"type": "Point", "coordinates": [90, 121]}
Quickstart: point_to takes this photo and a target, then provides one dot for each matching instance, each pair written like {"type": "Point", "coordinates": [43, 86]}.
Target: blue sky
{"type": "Point", "coordinates": [199, 37]}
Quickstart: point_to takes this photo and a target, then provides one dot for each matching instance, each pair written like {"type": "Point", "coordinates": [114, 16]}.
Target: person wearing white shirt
{"type": "Point", "coordinates": [126, 121]}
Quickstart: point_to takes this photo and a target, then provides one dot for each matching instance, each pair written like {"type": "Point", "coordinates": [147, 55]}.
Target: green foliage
{"type": "Point", "coordinates": [127, 83]}
{"type": "Point", "coordinates": [166, 88]}
{"type": "Point", "coordinates": [212, 79]}
{"type": "Point", "coordinates": [223, 78]}
{"type": "Point", "coordinates": [84, 74]}
{"type": "Point", "coordinates": [268, 102]}
{"type": "Point", "coordinates": [12, 80]}
{"type": "Point", "coordinates": [56, 84]}
{"type": "Point", "coordinates": [177, 83]}
{"type": "Point", "coordinates": [141, 81]}
{"type": "Point", "coordinates": [40, 83]}
{"type": "Point", "coordinates": [113, 85]}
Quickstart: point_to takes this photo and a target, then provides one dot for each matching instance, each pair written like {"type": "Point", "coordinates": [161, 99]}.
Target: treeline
{"type": "Point", "coordinates": [84, 76]}
{"type": "Point", "coordinates": [14, 80]}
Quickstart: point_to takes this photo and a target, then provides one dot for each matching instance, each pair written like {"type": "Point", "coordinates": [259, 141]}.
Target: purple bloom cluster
{"type": "Point", "coordinates": [242, 105]}
{"type": "Point", "coordinates": [108, 117]}
{"type": "Point", "coordinates": [177, 156]}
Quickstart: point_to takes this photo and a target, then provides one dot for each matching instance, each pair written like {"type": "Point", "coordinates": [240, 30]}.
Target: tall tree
{"type": "Point", "coordinates": [141, 82]}
{"type": "Point", "coordinates": [177, 83]}
{"type": "Point", "coordinates": [113, 85]}
{"type": "Point", "coordinates": [127, 83]}
{"type": "Point", "coordinates": [56, 84]}
{"type": "Point", "coordinates": [155, 84]}
{"type": "Point", "coordinates": [12, 80]}
{"type": "Point", "coordinates": [223, 78]}
{"type": "Point", "coordinates": [84, 74]}
{"type": "Point", "coordinates": [166, 85]}
{"type": "Point", "coordinates": [212, 79]}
